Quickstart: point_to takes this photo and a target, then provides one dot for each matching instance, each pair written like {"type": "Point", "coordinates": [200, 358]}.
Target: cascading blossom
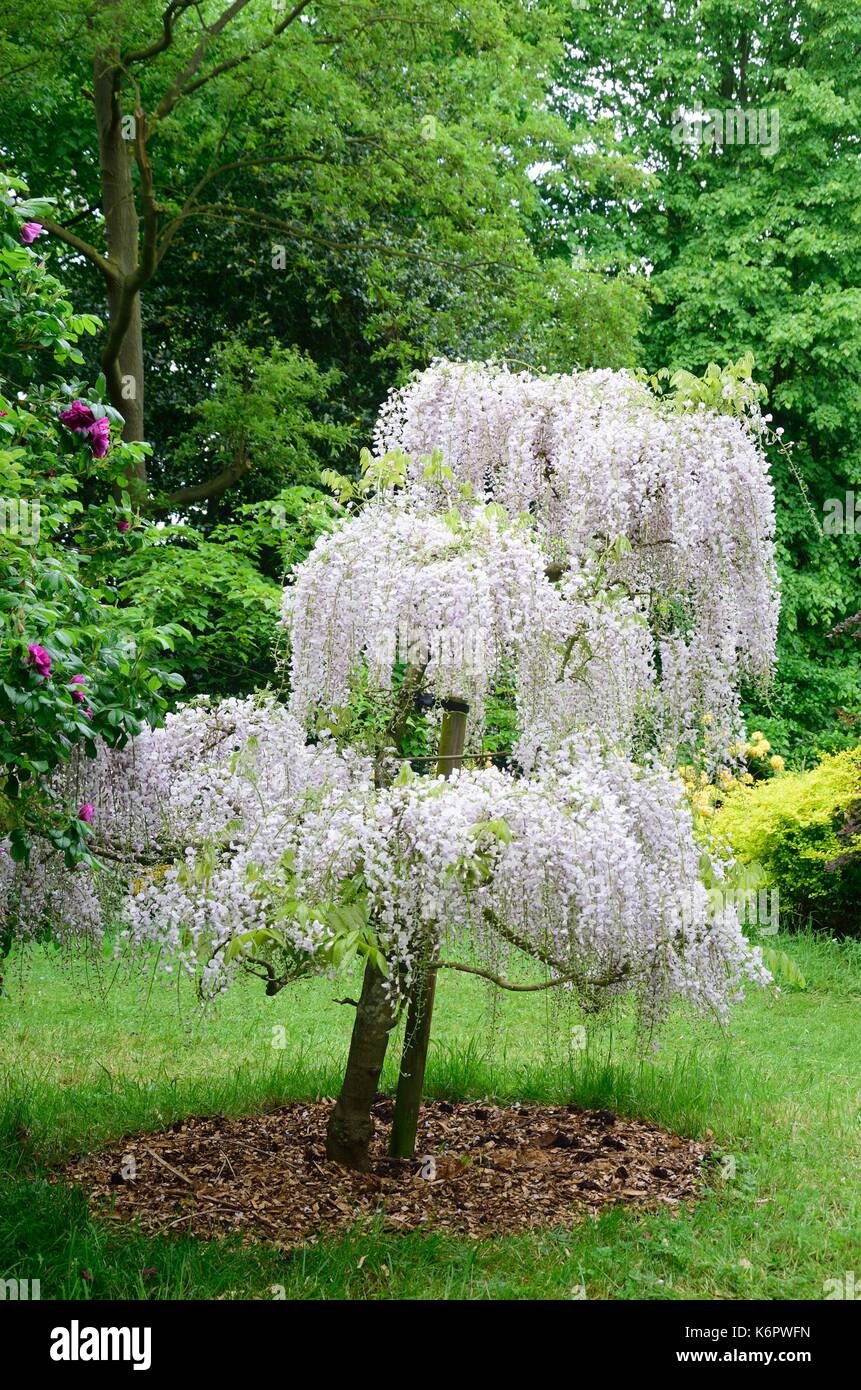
{"type": "Point", "coordinates": [592, 458]}
{"type": "Point", "coordinates": [618, 561]}
{"type": "Point", "coordinates": [589, 867]}
{"type": "Point", "coordinates": [164, 805]}
{"type": "Point", "coordinates": [454, 595]}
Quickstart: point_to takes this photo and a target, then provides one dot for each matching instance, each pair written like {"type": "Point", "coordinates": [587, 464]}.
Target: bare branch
{"type": "Point", "coordinates": [527, 989]}
{"type": "Point", "coordinates": [180, 83]}
{"type": "Point", "coordinates": [108, 268]}
{"type": "Point", "coordinates": [213, 487]}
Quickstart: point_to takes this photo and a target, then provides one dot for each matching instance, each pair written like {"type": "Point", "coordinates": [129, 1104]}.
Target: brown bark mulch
{"type": "Point", "coordinates": [480, 1169]}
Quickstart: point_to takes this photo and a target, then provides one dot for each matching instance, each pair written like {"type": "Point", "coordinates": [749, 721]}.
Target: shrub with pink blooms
{"type": "Point", "coordinates": [77, 671]}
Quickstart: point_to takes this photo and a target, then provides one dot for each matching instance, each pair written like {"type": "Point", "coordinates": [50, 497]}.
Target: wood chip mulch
{"type": "Point", "coordinates": [480, 1169]}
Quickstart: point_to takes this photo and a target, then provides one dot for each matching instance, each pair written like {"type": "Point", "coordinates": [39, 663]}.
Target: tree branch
{"type": "Point", "coordinates": [213, 487]}
{"type": "Point", "coordinates": [173, 12]}
{"type": "Point", "coordinates": [230, 63]}
{"type": "Point", "coordinates": [527, 989]}
{"type": "Point", "coordinates": [108, 269]}
{"type": "Point", "coordinates": [180, 83]}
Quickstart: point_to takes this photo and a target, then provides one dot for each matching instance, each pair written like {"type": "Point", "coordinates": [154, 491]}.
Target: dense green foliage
{"type": "Point", "coordinates": [804, 830]}
{"type": "Point", "coordinates": [749, 247]}
{"type": "Point", "coordinates": [74, 665]}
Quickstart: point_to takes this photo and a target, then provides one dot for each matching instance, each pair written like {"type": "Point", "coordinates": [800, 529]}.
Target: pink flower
{"type": "Point", "coordinates": [38, 657]}
{"type": "Point", "coordinates": [29, 232]}
{"type": "Point", "coordinates": [100, 437]}
{"type": "Point", "coordinates": [86, 812]}
{"type": "Point", "coordinates": [123, 525]}
{"type": "Point", "coordinates": [77, 693]}
{"type": "Point", "coordinates": [78, 417]}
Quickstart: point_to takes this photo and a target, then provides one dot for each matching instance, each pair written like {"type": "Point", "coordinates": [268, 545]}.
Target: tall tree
{"type": "Point", "coordinates": [743, 117]}
{"type": "Point", "coordinates": [395, 142]}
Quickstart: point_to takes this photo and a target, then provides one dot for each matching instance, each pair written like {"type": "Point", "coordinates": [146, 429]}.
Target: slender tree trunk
{"type": "Point", "coordinates": [122, 359]}
{"type": "Point", "coordinates": [351, 1125]}
{"type": "Point", "coordinates": [420, 1013]}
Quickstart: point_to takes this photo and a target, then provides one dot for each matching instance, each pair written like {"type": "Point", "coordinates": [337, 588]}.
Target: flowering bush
{"type": "Point", "coordinates": [73, 671]}
{"type": "Point", "coordinates": [804, 830]}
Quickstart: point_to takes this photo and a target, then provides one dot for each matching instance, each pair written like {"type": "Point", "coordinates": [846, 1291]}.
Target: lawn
{"type": "Point", "coordinates": [86, 1057]}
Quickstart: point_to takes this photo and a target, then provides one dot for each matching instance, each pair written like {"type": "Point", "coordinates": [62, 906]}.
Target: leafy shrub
{"type": "Point", "coordinates": [74, 668]}
{"type": "Point", "coordinates": [805, 830]}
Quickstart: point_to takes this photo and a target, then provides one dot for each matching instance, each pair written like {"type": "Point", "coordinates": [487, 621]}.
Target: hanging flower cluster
{"type": "Point", "coordinates": [619, 561]}
{"type": "Point", "coordinates": [589, 868]}
{"type": "Point", "coordinates": [453, 595]}
{"type": "Point", "coordinates": [602, 675]}
{"type": "Point", "coordinates": [171, 797]}
{"type": "Point", "coordinates": [594, 458]}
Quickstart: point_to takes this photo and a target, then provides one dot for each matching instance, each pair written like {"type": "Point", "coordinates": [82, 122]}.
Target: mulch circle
{"type": "Point", "coordinates": [480, 1169]}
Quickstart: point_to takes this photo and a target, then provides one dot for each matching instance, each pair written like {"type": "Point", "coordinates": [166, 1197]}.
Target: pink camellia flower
{"type": "Point", "coordinates": [29, 232]}
{"type": "Point", "coordinates": [78, 417]}
{"type": "Point", "coordinates": [38, 657]}
{"type": "Point", "coordinates": [77, 692]}
{"type": "Point", "coordinates": [123, 525]}
{"type": "Point", "coordinates": [100, 437]}
{"type": "Point", "coordinates": [86, 812]}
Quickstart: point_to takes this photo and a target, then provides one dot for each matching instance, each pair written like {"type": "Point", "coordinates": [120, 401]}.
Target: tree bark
{"type": "Point", "coordinates": [351, 1125]}
{"type": "Point", "coordinates": [122, 358]}
{"type": "Point", "coordinates": [420, 1013]}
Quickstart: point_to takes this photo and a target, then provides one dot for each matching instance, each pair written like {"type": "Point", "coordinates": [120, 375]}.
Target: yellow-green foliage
{"type": "Point", "coordinates": [805, 830]}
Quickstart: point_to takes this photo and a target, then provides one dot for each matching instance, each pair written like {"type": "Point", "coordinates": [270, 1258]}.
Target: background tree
{"type": "Point", "coordinates": [374, 160]}
{"type": "Point", "coordinates": [748, 246]}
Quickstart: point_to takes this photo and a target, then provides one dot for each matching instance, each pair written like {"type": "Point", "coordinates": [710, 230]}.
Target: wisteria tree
{"type": "Point", "coordinates": [606, 555]}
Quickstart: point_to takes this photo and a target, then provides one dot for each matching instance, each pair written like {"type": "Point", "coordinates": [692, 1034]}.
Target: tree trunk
{"type": "Point", "coordinates": [122, 359]}
{"type": "Point", "coordinates": [417, 1037]}
{"type": "Point", "coordinates": [351, 1125]}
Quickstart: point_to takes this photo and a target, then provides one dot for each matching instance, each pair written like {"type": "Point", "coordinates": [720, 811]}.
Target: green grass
{"type": "Point", "coordinates": [84, 1060]}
